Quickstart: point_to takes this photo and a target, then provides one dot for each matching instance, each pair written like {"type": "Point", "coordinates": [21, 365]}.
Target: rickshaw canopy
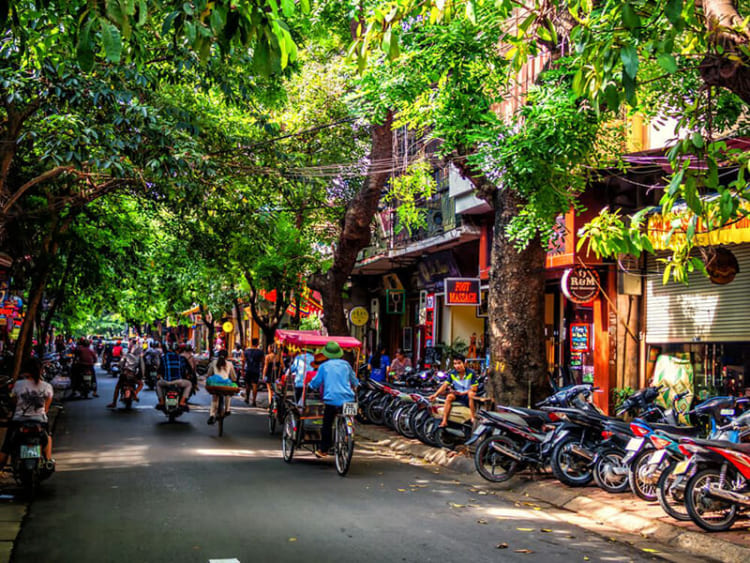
{"type": "Point", "coordinates": [313, 339]}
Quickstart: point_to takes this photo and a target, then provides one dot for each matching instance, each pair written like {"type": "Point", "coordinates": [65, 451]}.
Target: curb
{"type": "Point", "coordinates": [550, 491]}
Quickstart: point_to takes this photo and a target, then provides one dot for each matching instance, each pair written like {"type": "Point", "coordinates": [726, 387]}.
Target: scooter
{"type": "Point", "coordinates": [172, 407]}
{"type": "Point", "coordinates": [127, 391]}
{"type": "Point", "coordinates": [29, 467]}
{"type": "Point", "coordinates": [85, 384]}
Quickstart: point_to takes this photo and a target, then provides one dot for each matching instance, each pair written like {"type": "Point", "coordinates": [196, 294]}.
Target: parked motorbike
{"type": "Point", "coordinates": [718, 491]}
{"type": "Point", "coordinates": [28, 465]}
{"type": "Point", "coordinates": [515, 438]}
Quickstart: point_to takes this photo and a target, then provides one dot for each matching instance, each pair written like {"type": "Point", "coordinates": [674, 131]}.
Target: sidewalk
{"type": "Point", "coordinates": [625, 512]}
{"type": "Point", "coordinates": [12, 509]}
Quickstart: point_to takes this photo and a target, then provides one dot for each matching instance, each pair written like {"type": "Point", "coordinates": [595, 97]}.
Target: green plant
{"type": "Point", "coordinates": [312, 322]}
{"type": "Point", "coordinates": [619, 395]}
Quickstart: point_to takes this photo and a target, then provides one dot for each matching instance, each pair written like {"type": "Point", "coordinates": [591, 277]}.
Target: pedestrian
{"type": "Point", "coordinates": [254, 362]}
{"type": "Point", "coordinates": [271, 368]}
{"type": "Point", "coordinates": [379, 364]}
{"type": "Point", "coordinates": [399, 365]}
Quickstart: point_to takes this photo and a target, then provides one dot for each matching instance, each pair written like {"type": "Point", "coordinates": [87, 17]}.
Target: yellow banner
{"type": "Point", "coordinates": [659, 227]}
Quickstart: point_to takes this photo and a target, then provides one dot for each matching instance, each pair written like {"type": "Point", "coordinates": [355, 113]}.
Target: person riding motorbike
{"type": "Point", "coordinates": [339, 383]}
{"type": "Point", "coordinates": [463, 385]}
{"type": "Point", "coordinates": [33, 398]}
{"type": "Point", "coordinates": [132, 367]}
{"type": "Point", "coordinates": [84, 359]}
{"type": "Point", "coordinates": [174, 370]}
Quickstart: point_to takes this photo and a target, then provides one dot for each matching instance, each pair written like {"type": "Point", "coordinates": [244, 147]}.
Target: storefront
{"type": "Point", "coordinates": [700, 332]}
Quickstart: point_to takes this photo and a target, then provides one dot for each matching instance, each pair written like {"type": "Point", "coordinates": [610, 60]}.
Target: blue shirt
{"type": "Point", "coordinates": [337, 378]}
{"type": "Point", "coordinates": [173, 366]}
{"type": "Point", "coordinates": [465, 383]}
{"type": "Point", "coordinates": [300, 366]}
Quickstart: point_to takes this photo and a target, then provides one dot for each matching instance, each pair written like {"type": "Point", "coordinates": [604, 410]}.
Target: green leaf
{"type": "Point", "coordinates": [673, 11]}
{"type": "Point", "coordinates": [691, 227]}
{"type": "Point", "coordinates": [142, 13]}
{"type": "Point", "coordinates": [629, 84]}
{"type": "Point", "coordinates": [630, 18]}
{"type": "Point", "coordinates": [470, 15]}
{"type": "Point", "coordinates": [84, 48]}
{"type": "Point", "coordinates": [667, 62]}
{"type": "Point", "coordinates": [667, 269]}
{"type": "Point", "coordinates": [612, 96]}
{"type": "Point", "coordinates": [112, 41]}
{"type": "Point", "coordinates": [629, 57]}
{"type": "Point", "coordinates": [698, 140]}
{"type": "Point", "coordinates": [287, 7]}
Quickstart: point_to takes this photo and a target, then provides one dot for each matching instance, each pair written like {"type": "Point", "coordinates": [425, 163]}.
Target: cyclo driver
{"type": "Point", "coordinates": [174, 370]}
{"type": "Point", "coordinates": [339, 382]}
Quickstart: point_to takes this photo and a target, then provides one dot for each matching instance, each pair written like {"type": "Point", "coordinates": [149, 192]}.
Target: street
{"type": "Point", "coordinates": [132, 487]}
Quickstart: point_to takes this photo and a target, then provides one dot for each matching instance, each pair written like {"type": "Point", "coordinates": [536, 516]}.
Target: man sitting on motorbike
{"type": "Point", "coordinates": [132, 368]}
{"type": "Point", "coordinates": [84, 359]}
{"type": "Point", "coordinates": [33, 398]}
{"type": "Point", "coordinates": [463, 385]}
{"type": "Point", "coordinates": [337, 378]}
{"type": "Point", "coordinates": [173, 371]}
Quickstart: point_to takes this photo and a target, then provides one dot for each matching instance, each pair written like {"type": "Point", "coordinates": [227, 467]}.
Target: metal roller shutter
{"type": "Point", "coordinates": [700, 311]}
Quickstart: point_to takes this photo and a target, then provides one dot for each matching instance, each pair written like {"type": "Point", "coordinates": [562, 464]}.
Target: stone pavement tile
{"type": "Point", "coordinates": [9, 530]}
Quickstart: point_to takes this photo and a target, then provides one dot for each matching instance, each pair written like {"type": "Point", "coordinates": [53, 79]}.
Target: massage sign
{"type": "Point", "coordinates": [462, 291]}
{"type": "Point", "coordinates": [580, 284]}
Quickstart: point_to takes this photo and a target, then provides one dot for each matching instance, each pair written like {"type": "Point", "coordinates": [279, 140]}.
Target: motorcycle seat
{"type": "Point", "coordinates": [532, 417]}
{"type": "Point", "coordinates": [742, 448]}
{"type": "Point", "coordinates": [672, 430]}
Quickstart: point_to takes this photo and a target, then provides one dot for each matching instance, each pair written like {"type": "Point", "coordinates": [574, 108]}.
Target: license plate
{"type": "Point", "coordinates": [350, 409]}
{"type": "Point", "coordinates": [171, 402]}
{"type": "Point", "coordinates": [681, 467]}
{"type": "Point", "coordinates": [657, 456]}
{"type": "Point", "coordinates": [30, 452]}
{"type": "Point", "coordinates": [634, 444]}
{"type": "Point", "coordinates": [726, 412]}
{"type": "Point", "coordinates": [87, 378]}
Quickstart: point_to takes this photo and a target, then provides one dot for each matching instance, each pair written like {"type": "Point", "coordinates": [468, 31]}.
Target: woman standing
{"type": "Point", "coordinates": [271, 366]}
{"type": "Point", "coordinates": [221, 367]}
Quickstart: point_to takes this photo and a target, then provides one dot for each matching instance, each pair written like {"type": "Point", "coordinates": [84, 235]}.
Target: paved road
{"type": "Point", "coordinates": [132, 487]}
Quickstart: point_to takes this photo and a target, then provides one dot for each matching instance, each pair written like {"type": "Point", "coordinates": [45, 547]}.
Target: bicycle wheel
{"type": "Point", "coordinates": [272, 409]}
{"type": "Point", "coordinates": [344, 445]}
{"type": "Point", "coordinates": [288, 436]}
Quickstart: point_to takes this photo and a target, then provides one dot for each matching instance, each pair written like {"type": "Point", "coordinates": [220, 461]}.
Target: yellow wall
{"type": "Point", "coordinates": [464, 321]}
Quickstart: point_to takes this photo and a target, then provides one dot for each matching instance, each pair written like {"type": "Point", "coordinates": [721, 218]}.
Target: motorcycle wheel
{"type": "Point", "coordinates": [390, 408]}
{"type": "Point", "coordinates": [29, 479]}
{"type": "Point", "coordinates": [713, 515]}
{"type": "Point", "coordinates": [375, 410]}
{"type": "Point", "coordinates": [493, 465]}
{"type": "Point", "coordinates": [416, 421]}
{"type": "Point", "coordinates": [567, 467]}
{"type": "Point", "coordinates": [446, 440]}
{"type": "Point", "coordinates": [643, 477]}
{"type": "Point", "coordinates": [609, 461]}
{"type": "Point", "coordinates": [431, 428]}
{"type": "Point", "coordinates": [272, 416]}
{"type": "Point", "coordinates": [671, 494]}
{"type": "Point", "coordinates": [420, 426]}
{"type": "Point", "coordinates": [403, 423]}
{"type": "Point", "coordinates": [288, 436]}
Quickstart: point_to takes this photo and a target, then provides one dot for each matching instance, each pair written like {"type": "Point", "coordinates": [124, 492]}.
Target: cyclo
{"type": "Point", "coordinates": [303, 419]}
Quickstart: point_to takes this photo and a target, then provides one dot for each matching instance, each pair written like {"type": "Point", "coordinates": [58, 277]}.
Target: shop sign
{"type": "Point", "coordinates": [228, 327]}
{"type": "Point", "coordinates": [394, 301]}
{"type": "Point", "coordinates": [668, 230]}
{"type": "Point", "coordinates": [359, 316]}
{"type": "Point", "coordinates": [580, 340]}
{"type": "Point", "coordinates": [580, 284]}
{"type": "Point", "coordinates": [462, 291]}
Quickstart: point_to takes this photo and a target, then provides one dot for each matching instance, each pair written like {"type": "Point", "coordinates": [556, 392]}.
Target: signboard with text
{"type": "Point", "coordinates": [462, 291]}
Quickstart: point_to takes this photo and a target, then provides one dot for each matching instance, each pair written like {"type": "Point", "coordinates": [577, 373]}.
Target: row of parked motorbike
{"type": "Point", "coordinates": [699, 472]}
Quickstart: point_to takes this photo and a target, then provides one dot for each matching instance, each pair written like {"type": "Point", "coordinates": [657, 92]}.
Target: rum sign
{"type": "Point", "coordinates": [462, 291]}
{"type": "Point", "coordinates": [580, 285]}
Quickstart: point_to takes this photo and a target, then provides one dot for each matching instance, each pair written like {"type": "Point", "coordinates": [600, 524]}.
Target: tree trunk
{"type": "Point", "coordinates": [240, 323]}
{"type": "Point", "coordinates": [355, 230]}
{"type": "Point", "coordinates": [518, 374]}
{"type": "Point", "coordinates": [23, 345]}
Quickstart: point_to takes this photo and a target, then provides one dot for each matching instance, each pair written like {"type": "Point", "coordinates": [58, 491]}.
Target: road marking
{"type": "Point", "coordinates": [234, 560]}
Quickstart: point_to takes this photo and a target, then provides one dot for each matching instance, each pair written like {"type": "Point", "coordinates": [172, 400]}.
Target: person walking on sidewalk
{"type": "Point", "coordinates": [463, 386]}
{"type": "Point", "coordinates": [337, 378]}
{"type": "Point", "coordinates": [224, 369]}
